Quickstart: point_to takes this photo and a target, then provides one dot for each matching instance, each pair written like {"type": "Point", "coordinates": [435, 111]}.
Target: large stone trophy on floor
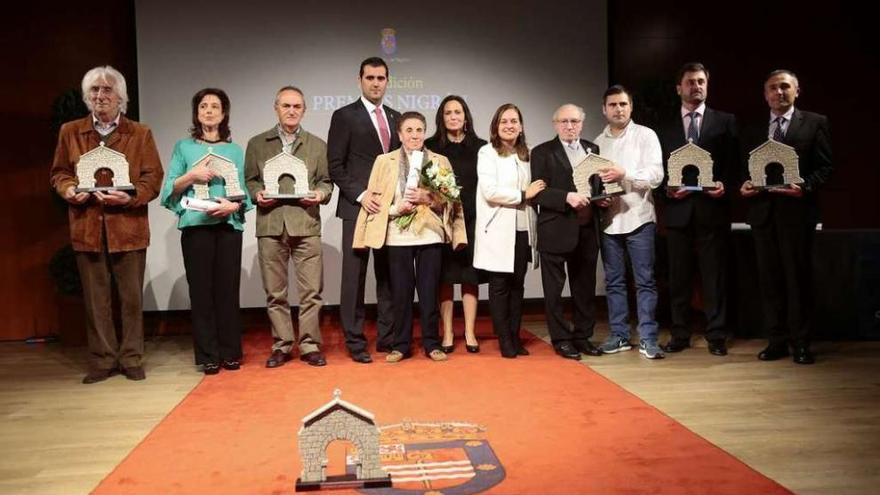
{"type": "Point", "coordinates": [690, 168]}
{"type": "Point", "coordinates": [286, 164]}
{"type": "Point", "coordinates": [340, 420]}
{"type": "Point", "coordinates": [587, 181]}
{"type": "Point", "coordinates": [100, 158]}
{"type": "Point", "coordinates": [774, 165]}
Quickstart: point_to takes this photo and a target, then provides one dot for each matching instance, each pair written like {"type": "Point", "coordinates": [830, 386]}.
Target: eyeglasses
{"type": "Point", "coordinates": [569, 122]}
{"type": "Point", "coordinates": [101, 90]}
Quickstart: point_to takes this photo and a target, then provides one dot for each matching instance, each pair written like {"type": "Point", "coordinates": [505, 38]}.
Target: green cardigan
{"type": "Point", "coordinates": [186, 154]}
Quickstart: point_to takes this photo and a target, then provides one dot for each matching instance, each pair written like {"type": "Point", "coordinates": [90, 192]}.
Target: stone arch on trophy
{"type": "Point", "coordinates": [227, 170]}
{"type": "Point", "coordinates": [285, 165]}
{"type": "Point", "coordinates": [774, 164]}
{"type": "Point", "coordinates": [340, 420]}
{"type": "Point", "coordinates": [109, 164]}
{"type": "Point", "coordinates": [691, 167]}
{"type": "Point", "coordinates": [587, 181]}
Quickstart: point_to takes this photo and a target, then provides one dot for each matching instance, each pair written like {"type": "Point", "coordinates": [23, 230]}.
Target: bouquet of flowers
{"type": "Point", "coordinates": [438, 180]}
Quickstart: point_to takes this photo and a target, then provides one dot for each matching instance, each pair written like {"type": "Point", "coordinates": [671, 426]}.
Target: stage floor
{"type": "Point", "coordinates": [813, 429]}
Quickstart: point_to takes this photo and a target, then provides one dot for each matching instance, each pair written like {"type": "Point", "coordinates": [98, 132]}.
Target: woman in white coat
{"type": "Point", "coordinates": [504, 237]}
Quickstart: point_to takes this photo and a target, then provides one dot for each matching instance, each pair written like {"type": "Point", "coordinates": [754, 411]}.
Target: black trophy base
{"type": "Point", "coordinates": [692, 188]}
{"type": "Point", "coordinates": [289, 196]}
{"type": "Point", "coordinates": [605, 196]}
{"type": "Point", "coordinates": [772, 187]}
{"type": "Point", "coordinates": [341, 482]}
{"type": "Point", "coordinates": [237, 197]}
{"type": "Point", "coordinates": [104, 189]}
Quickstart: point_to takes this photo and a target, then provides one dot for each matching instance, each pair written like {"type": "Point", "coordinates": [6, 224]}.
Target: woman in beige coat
{"type": "Point", "coordinates": [414, 250]}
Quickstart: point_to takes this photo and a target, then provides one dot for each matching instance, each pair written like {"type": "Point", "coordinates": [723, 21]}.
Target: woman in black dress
{"type": "Point", "coordinates": [455, 138]}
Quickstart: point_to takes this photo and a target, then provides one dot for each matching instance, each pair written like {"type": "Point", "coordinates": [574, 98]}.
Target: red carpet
{"type": "Point", "coordinates": [550, 426]}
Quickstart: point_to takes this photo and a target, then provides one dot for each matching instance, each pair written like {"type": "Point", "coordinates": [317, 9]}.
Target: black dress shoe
{"type": "Point", "coordinates": [520, 349]}
{"type": "Point", "coordinates": [773, 352]}
{"type": "Point", "coordinates": [135, 373]}
{"type": "Point", "coordinates": [361, 357]}
{"type": "Point", "coordinates": [508, 349]}
{"type": "Point", "coordinates": [448, 349]}
{"type": "Point", "coordinates": [676, 345]}
{"type": "Point", "coordinates": [587, 347]}
{"type": "Point", "coordinates": [95, 376]}
{"type": "Point", "coordinates": [231, 365]}
{"type": "Point", "coordinates": [278, 358]}
{"type": "Point", "coordinates": [211, 368]}
{"type": "Point", "coordinates": [314, 358]}
{"type": "Point", "coordinates": [567, 351]}
{"type": "Point", "coordinates": [717, 347]}
{"type": "Point", "coordinates": [473, 349]}
{"type": "Point", "coordinates": [802, 355]}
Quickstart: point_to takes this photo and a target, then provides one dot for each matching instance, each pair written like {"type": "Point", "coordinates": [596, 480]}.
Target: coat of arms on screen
{"type": "Point", "coordinates": [389, 41]}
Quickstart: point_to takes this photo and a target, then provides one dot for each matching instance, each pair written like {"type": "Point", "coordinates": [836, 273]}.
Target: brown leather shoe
{"type": "Point", "coordinates": [314, 358]}
{"type": "Point", "coordinates": [278, 358]}
{"type": "Point", "coordinates": [95, 376]}
{"type": "Point", "coordinates": [135, 373]}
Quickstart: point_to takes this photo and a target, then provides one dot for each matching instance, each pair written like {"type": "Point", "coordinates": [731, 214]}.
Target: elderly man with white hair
{"type": "Point", "coordinates": [109, 230]}
{"type": "Point", "coordinates": [567, 235]}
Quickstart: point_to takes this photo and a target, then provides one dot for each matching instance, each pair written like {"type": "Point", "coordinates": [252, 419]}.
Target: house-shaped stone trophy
{"type": "Point", "coordinates": [226, 169]}
{"type": "Point", "coordinates": [587, 181]}
{"type": "Point", "coordinates": [99, 158]}
{"type": "Point", "coordinates": [774, 165]}
{"type": "Point", "coordinates": [690, 168]}
{"type": "Point", "coordinates": [340, 420]}
{"type": "Point", "coordinates": [286, 164]}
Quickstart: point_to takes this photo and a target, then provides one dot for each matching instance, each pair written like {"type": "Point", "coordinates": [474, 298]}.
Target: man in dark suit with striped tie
{"type": "Point", "coordinates": [359, 132]}
{"type": "Point", "coordinates": [698, 223]}
{"type": "Point", "coordinates": [784, 220]}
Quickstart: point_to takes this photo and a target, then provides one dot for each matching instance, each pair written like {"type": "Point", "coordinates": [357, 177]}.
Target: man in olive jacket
{"type": "Point", "coordinates": [290, 229]}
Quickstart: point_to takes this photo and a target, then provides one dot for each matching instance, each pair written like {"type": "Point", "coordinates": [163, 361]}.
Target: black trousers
{"type": "Point", "coordinates": [581, 264]}
{"type": "Point", "coordinates": [784, 250]}
{"type": "Point", "coordinates": [506, 291]}
{"type": "Point", "coordinates": [416, 267]}
{"type": "Point", "coordinates": [212, 258]}
{"type": "Point", "coordinates": [705, 246]}
{"type": "Point", "coordinates": [351, 299]}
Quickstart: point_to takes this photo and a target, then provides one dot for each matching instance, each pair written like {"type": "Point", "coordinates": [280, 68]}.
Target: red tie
{"type": "Point", "coordinates": [384, 135]}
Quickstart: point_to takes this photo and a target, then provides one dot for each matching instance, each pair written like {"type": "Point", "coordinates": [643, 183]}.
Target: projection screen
{"type": "Point", "coordinates": [537, 55]}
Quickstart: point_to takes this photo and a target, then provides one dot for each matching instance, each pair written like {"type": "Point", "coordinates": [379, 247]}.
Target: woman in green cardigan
{"type": "Point", "coordinates": [211, 231]}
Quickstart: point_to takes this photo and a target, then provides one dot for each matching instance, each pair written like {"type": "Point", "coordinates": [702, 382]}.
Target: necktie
{"type": "Point", "coordinates": [693, 133]}
{"type": "Point", "coordinates": [573, 146]}
{"type": "Point", "coordinates": [778, 134]}
{"type": "Point", "coordinates": [384, 135]}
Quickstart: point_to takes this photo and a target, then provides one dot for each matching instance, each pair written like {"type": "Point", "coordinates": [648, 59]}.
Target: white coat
{"type": "Point", "coordinates": [498, 195]}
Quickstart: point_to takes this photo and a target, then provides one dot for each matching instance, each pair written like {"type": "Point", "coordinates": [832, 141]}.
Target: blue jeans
{"type": "Point", "coordinates": [639, 244]}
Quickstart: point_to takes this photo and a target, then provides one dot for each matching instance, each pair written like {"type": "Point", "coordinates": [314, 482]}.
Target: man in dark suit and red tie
{"type": "Point", "coordinates": [783, 220]}
{"type": "Point", "coordinates": [359, 132]}
{"type": "Point", "coordinates": [699, 222]}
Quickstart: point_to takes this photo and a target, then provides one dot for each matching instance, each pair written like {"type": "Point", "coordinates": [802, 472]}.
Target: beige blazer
{"type": "Point", "coordinates": [371, 230]}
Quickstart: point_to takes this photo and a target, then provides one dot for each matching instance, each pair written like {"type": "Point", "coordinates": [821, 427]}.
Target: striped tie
{"type": "Point", "coordinates": [778, 134]}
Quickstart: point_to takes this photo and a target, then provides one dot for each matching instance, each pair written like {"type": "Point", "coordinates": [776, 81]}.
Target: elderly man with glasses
{"type": "Point", "coordinates": [109, 230]}
{"type": "Point", "coordinates": [566, 234]}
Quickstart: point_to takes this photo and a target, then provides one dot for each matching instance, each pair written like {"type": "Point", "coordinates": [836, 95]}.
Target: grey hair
{"type": "Point", "coordinates": [579, 109]}
{"type": "Point", "coordinates": [110, 75]}
{"type": "Point", "coordinates": [782, 71]}
{"type": "Point", "coordinates": [289, 88]}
